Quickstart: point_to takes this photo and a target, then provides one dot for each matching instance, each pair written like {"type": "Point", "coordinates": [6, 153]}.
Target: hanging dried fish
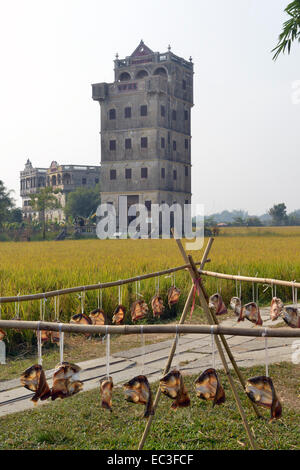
{"type": "Point", "coordinates": [45, 336]}
{"type": "Point", "coordinates": [119, 315]}
{"type": "Point", "coordinates": [157, 305]}
{"type": "Point", "coordinates": [138, 391]}
{"type": "Point", "coordinates": [66, 380]}
{"type": "Point", "coordinates": [262, 392]}
{"type": "Point", "coordinates": [291, 317]}
{"type": "Point", "coordinates": [276, 308]}
{"type": "Point", "coordinates": [106, 387]}
{"type": "Point", "coordinates": [82, 319]}
{"type": "Point", "coordinates": [2, 334]}
{"type": "Point", "coordinates": [251, 312]}
{"type": "Point", "coordinates": [236, 305]}
{"type": "Point", "coordinates": [54, 335]}
{"type": "Point", "coordinates": [216, 302]}
{"type": "Point", "coordinates": [34, 379]}
{"type": "Point", "coordinates": [208, 387]}
{"type": "Point", "coordinates": [173, 295]}
{"type": "Point", "coordinates": [98, 317]}
{"type": "Point", "coordinates": [172, 386]}
{"type": "Point", "coordinates": [139, 310]}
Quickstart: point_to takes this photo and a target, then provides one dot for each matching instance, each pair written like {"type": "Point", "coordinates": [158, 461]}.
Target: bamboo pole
{"type": "Point", "coordinates": [173, 348]}
{"type": "Point", "coordinates": [151, 329]}
{"type": "Point", "coordinates": [228, 350]}
{"type": "Point", "coordinates": [195, 277]}
{"type": "Point", "coordinates": [70, 290]}
{"type": "Point", "coordinates": [193, 271]}
{"type": "Point", "coordinates": [258, 280]}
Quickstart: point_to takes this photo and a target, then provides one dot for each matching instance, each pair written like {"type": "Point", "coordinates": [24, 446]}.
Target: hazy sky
{"type": "Point", "coordinates": [245, 127]}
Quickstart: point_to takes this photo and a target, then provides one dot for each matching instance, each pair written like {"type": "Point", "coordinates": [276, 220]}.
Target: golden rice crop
{"type": "Point", "coordinates": [42, 266]}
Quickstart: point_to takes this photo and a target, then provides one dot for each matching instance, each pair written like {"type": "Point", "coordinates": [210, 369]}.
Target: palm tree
{"type": "Point", "coordinates": [291, 29]}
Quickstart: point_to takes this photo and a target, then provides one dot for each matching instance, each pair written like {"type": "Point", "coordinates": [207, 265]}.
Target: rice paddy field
{"type": "Point", "coordinates": [42, 266]}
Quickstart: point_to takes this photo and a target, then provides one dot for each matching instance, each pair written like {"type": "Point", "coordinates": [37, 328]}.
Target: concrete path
{"type": "Point", "coordinates": [194, 355]}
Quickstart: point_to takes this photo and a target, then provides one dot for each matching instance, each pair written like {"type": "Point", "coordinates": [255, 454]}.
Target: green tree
{"type": "Point", "coordinates": [239, 221]}
{"type": "Point", "coordinates": [42, 201]}
{"type": "Point", "coordinates": [83, 202]}
{"type": "Point", "coordinates": [291, 29]}
{"type": "Point", "coordinates": [254, 222]}
{"type": "Point", "coordinates": [278, 214]}
{"type": "Point", "coordinates": [6, 203]}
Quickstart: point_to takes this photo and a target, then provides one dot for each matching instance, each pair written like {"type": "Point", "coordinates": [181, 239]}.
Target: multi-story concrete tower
{"type": "Point", "coordinates": [146, 129]}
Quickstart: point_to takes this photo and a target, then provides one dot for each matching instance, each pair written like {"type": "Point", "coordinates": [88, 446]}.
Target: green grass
{"type": "Point", "coordinates": [80, 423]}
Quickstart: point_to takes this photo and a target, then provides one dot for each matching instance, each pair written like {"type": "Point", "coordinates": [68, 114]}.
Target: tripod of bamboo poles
{"type": "Point", "coordinates": [173, 348]}
{"type": "Point", "coordinates": [212, 320]}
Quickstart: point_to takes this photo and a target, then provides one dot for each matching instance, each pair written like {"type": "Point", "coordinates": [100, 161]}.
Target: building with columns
{"type": "Point", "coordinates": [146, 129]}
{"type": "Point", "coordinates": [63, 178]}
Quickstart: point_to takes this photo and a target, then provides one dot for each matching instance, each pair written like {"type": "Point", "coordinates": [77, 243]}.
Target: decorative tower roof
{"type": "Point", "coordinates": [142, 50]}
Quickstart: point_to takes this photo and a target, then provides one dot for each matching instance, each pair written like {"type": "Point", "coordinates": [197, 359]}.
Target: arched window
{"type": "Point", "coordinates": [141, 74]}
{"type": "Point", "coordinates": [160, 71]}
{"type": "Point", "coordinates": [124, 77]}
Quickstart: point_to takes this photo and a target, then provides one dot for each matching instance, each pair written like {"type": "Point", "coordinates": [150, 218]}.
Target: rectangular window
{"type": "Point", "coordinates": [186, 115]}
{"type": "Point", "coordinates": [169, 138]}
{"type": "Point", "coordinates": [83, 180]}
{"type": "Point", "coordinates": [127, 112]}
{"type": "Point", "coordinates": [186, 171]}
{"type": "Point", "coordinates": [144, 172]}
{"type": "Point", "coordinates": [128, 173]}
{"type": "Point", "coordinates": [113, 174]}
{"type": "Point", "coordinates": [174, 145]}
{"type": "Point", "coordinates": [186, 201]}
{"type": "Point", "coordinates": [163, 172]}
{"type": "Point", "coordinates": [112, 114]}
{"type": "Point", "coordinates": [186, 144]}
{"type": "Point", "coordinates": [162, 143]}
{"type": "Point", "coordinates": [127, 144]}
{"type": "Point", "coordinates": [162, 111]}
{"type": "Point", "coordinates": [148, 205]}
{"type": "Point", "coordinates": [144, 142]}
{"type": "Point", "coordinates": [112, 145]}
{"type": "Point", "coordinates": [174, 115]}
{"type": "Point", "coordinates": [174, 175]}
{"type": "Point", "coordinates": [144, 110]}
{"type": "Point", "coordinates": [183, 84]}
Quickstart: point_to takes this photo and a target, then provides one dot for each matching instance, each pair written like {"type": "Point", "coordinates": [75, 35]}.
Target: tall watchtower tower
{"type": "Point", "coordinates": [146, 129]}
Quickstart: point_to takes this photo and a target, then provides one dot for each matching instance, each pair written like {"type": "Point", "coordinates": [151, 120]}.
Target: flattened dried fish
{"type": "Point", "coordinates": [208, 387]}
{"type": "Point", "coordinates": [138, 391]}
{"type": "Point", "coordinates": [291, 317]}
{"type": "Point", "coordinates": [119, 315]}
{"type": "Point", "coordinates": [276, 308]}
{"type": "Point", "coordinates": [34, 379]}
{"type": "Point", "coordinates": [251, 312]}
{"type": "Point", "coordinates": [216, 302]}
{"type": "Point", "coordinates": [66, 380]}
{"type": "Point", "coordinates": [262, 392]}
{"type": "Point", "coordinates": [236, 305]}
{"type": "Point", "coordinates": [139, 310]}
{"type": "Point", "coordinates": [106, 387]}
{"type": "Point", "coordinates": [81, 319]}
{"type": "Point", "coordinates": [45, 336]}
{"type": "Point", "coordinates": [173, 296]}
{"type": "Point", "coordinates": [172, 386]}
{"type": "Point", "coordinates": [157, 305]}
{"type": "Point", "coordinates": [98, 317]}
